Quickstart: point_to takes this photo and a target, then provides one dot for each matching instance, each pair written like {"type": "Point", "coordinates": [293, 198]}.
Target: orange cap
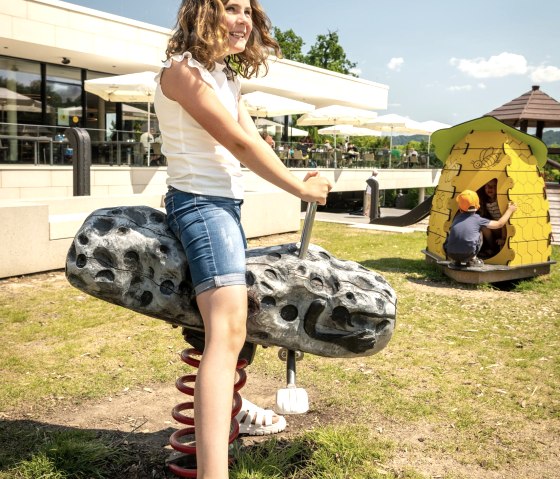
{"type": "Point", "coordinates": [468, 201]}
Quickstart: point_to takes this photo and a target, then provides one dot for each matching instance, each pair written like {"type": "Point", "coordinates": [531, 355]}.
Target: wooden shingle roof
{"type": "Point", "coordinates": [532, 107]}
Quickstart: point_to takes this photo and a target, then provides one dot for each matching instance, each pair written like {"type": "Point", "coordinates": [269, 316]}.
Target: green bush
{"type": "Point", "coordinates": [552, 175]}
{"type": "Point", "coordinates": [412, 197]}
{"type": "Point", "coordinates": [388, 198]}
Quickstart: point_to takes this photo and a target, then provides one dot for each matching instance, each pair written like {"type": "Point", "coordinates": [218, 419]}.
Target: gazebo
{"type": "Point", "coordinates": [534, 109]}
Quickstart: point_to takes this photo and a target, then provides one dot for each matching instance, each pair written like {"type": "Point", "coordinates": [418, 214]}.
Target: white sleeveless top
{"type": "Point", "coordinates": [196, 162]}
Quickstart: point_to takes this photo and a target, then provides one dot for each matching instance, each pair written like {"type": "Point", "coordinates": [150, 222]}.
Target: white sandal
{"type": "Point", "coordinates": [256, 421]}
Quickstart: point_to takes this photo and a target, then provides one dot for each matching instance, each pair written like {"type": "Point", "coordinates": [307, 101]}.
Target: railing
{"type": "Point", "coordinates": [47, 145]}
{"type": "Point", "coordinates": [318, 156]}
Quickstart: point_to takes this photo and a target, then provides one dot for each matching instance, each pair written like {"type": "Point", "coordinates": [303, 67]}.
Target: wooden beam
{"type": "Point", "coordinates": [540, 128]}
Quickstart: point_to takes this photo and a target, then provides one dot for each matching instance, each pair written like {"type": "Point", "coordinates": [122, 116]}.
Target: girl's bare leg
{"type": "Point", "coordinates": [224, 312]}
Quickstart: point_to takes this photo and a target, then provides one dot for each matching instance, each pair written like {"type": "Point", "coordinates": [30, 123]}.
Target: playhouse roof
{"type": "Point", "coordinates": [444, 140]}
{"type": "Point", "coordinates": [533, 106]}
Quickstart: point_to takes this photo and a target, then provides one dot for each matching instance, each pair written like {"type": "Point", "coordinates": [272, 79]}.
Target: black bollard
{"type": "Point", "coordinates": [373, 212]}
{"type": "Point", "coordinates": [80, 142]}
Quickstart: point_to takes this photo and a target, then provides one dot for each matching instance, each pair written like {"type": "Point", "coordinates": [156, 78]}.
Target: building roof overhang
{"type": "Point", "coordinates": [49, 30]}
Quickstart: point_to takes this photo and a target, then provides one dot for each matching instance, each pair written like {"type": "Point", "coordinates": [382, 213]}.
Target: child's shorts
{"type": "Point", "coordinates": [209, 228]}
{"type": "Point", "coordinates": [464, 256]}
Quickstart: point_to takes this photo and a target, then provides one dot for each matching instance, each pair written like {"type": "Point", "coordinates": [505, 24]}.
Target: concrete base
{"type": "Point", "coordinates": [488, 273]}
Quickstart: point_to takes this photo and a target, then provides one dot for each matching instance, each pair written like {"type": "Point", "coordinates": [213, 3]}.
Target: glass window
{"type": "Point", "coordinates": [20, 91]}
{"type": "Point", "coordinates": [64, 96]}
{"type": "Point", "coordinates": [105, 116]}
{"type": "Point", "coordinates": [20, 106]}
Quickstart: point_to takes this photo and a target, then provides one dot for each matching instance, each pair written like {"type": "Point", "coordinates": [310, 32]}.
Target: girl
{"type": "Point", "coordinates": [206, 133]}
{"type": "Point", "coordinates": [489, 208]}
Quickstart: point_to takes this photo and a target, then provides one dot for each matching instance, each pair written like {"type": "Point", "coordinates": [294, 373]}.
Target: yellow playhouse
{"type": "Point", "coordinates": [474, 153]}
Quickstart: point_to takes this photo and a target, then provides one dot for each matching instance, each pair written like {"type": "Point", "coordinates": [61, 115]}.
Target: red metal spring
{"type": "Point", "coordinates": [189, 356]}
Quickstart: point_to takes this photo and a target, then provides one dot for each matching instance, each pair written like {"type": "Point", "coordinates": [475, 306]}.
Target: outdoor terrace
{"type": "Point", "coordinates": [22, 144]}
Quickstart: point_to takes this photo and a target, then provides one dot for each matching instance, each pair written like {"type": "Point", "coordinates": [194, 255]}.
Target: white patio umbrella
{"type": "Point", "coordinates": [13, 101]}
{"type": "Point", "coordinates": [130, 88]}
{"type": "Point", "coordinates": [262, 104]}
{"type": "Point", "coordinates": [392, 123]}
{"type": "Point", "coordinates": [293, 131]}
{"type": "Point", "coordinates": [268, 125]}
{"type": "Point", "coordinates": [266, 122]}
{"type": "Point", "coordinates": [348, 130]}
{"type": "Point", "coordinates": [432, 126]}
{"type": "Point", "coordinates": [336, 115]}
{"type": "Point", "coordinates": [10, 97]}
{"type": "Point", "coordinates": [129, 112]}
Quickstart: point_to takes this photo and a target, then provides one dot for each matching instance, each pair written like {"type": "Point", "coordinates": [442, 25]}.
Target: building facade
{"type": "Point", "coordinates": [48, 48]}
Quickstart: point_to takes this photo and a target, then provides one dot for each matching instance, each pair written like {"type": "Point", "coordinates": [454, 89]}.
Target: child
{"type": "Point", "coordinates": [464, 240]}
{"type": "Point", "coordinates": [489, 208]}
{"type": "Point", "coordinates": [207, 132]}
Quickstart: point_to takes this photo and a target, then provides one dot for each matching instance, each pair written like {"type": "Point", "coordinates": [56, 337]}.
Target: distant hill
{"type": "Point", "coordinates": [404, 139]}
{"type": "Point", "coordinates": [550, 137]}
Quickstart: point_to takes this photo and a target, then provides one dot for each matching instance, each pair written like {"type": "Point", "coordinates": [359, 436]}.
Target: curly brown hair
{"type": "Point", "coordinates": [201, 31]}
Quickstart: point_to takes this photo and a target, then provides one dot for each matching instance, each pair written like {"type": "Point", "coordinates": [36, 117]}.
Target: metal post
{"type": "Point", "coordinates": [291, 368]}
{"type": "Point", "coordinates": [81, 159]}
{"type": "Point", "coordinates": [307, 226]}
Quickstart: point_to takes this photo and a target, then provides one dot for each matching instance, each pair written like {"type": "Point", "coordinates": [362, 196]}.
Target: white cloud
{"type": "Point", "coordinates": [460, 88]}
{"type": "Point", "coordinates": [395, 63]}
{"type": "Point", "coordinates": [545, 74]}
{"type": "Point", "coordinates": [480, 86]}
{"type": "Point", "coordinates": [496, 66]}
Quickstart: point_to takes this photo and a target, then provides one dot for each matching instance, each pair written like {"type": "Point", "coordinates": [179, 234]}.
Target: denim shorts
{"type": "Point", "coordinates": [209, 228]}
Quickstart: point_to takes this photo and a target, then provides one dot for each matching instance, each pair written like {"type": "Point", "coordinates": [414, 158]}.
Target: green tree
{"type": "Point", "coordinates": [290, 44]}
{"type": "Point", "coordinates": [327, 53]}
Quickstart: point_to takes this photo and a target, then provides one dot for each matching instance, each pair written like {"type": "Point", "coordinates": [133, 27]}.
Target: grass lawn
{"type": "Point", "coordinates": [466, 389]}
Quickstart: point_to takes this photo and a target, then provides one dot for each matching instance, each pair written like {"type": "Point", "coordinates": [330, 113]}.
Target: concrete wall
{"type": "Point", "coordinates": [40, 217]}
{"type": "Point", "coordinates": [27, 181]}
{"type": "Point", "coordinates": [24, 236]}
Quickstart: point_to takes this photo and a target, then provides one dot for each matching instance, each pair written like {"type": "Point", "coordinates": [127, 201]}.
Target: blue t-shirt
{"type": "Point", "coordinates": [464, 234]}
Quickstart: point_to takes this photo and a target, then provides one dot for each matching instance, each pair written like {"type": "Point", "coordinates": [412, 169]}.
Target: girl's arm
{"type": "Point", "coordinates": [246, 122]}
{"type": "Point", "coordinates": [497, 224]}
{"type": "Point", "coordinates": [185, 85]}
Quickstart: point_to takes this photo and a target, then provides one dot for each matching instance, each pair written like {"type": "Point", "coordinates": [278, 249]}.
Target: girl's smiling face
{"type": "Point", "coordinates": [239, 23]}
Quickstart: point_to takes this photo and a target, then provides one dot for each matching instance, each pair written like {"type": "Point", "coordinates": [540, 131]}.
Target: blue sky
{"type": "Point", "coordinates": [443, 60]}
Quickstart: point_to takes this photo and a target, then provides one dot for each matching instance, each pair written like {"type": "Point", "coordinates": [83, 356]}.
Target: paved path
{"type": "Point", "coordinates": [362, 222]}
{"type": "Point", "coordinates": [359, 221]}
